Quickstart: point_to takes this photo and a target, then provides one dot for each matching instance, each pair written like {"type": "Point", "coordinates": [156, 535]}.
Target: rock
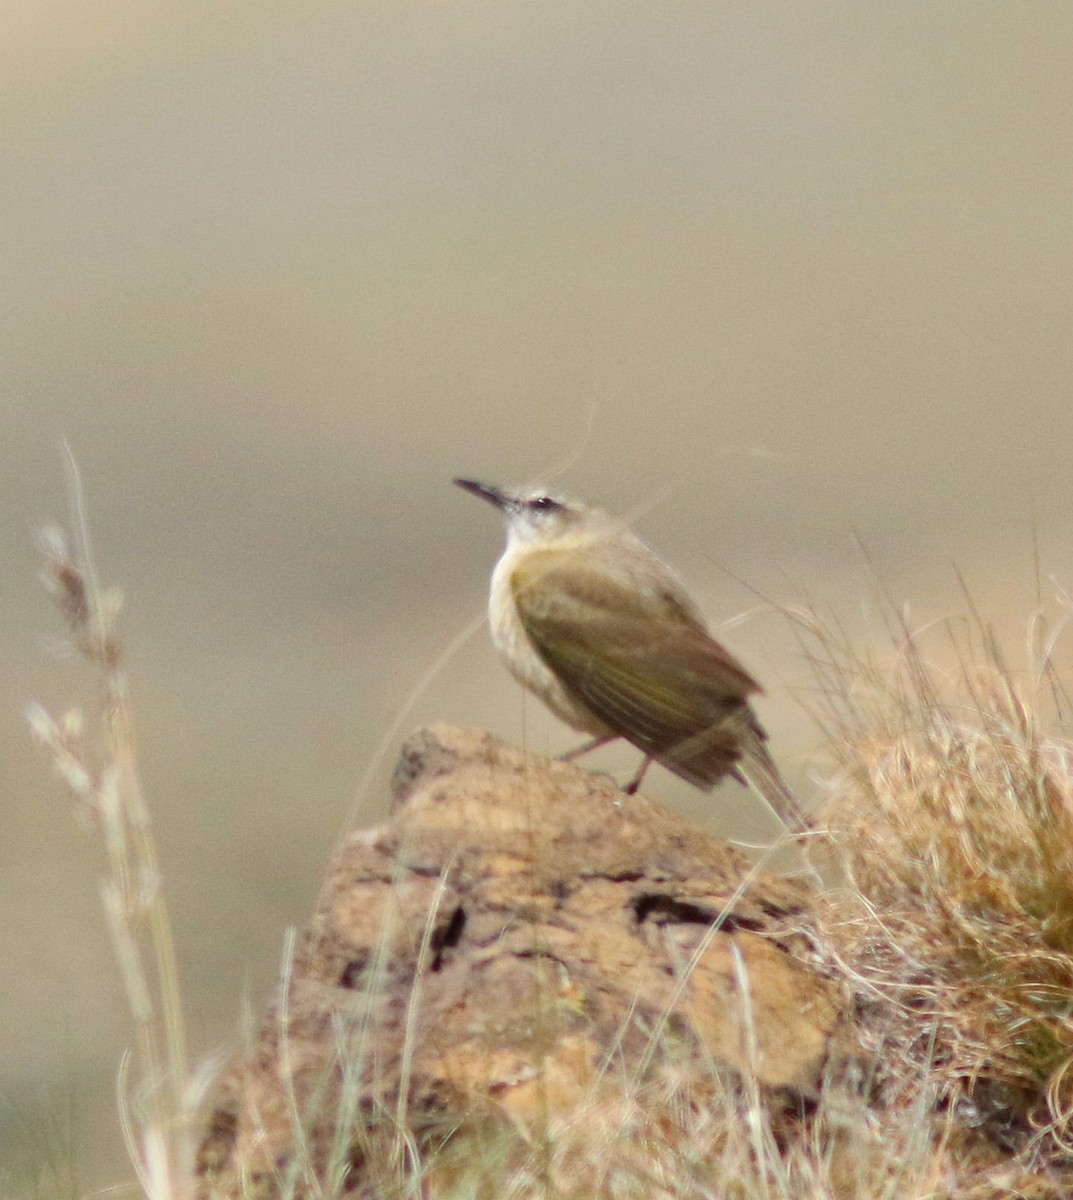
{"type": "Point", "coordinates": [519, 943]}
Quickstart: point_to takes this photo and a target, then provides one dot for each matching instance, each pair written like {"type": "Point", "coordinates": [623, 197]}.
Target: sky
{"type": "Point", "coordinates": [790, 285]}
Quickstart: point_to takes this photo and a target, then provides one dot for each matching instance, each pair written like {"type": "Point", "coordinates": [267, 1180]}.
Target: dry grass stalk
{"type": "Point", "coordinates": [106, 785]}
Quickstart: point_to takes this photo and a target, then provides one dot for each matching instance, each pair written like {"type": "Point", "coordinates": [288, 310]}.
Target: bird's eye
{"type": "Point", "coordinates": [543, 504]}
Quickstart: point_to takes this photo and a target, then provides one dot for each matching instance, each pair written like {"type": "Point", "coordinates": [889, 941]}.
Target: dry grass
{"type": "Point", "coordinates": [951, 837]}
{"type": "Point", "coordinates": [100, 767]}
{"type": "Point", "coordinates": [948, 915]}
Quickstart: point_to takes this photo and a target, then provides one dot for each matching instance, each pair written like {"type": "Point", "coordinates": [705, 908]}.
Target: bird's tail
{"type": "Point", "coordinates": [757, 768]}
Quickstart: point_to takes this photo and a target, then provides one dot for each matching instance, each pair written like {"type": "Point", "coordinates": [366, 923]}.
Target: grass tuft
{"type": "Point", "coordinates": [950, 817]}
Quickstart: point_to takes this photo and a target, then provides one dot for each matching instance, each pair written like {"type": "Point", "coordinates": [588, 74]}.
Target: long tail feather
{"type": "Point", "coordinates": [758, 770]}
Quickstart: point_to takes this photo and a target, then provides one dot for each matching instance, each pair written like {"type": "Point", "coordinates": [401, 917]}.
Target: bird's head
{"type": "Point", "coordinates": [536, 516]}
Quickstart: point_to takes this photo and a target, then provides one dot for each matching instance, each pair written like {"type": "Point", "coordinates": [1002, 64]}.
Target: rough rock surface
{"type": "Point", "coordinates": [517, 938]}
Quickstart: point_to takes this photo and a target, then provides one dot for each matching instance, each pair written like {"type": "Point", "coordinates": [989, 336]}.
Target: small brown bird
{"type": "Point", "coordinates": [603, 631]}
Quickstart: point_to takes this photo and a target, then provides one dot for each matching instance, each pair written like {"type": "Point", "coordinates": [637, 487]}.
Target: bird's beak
{"type": "Point", "coordinates": [487, 492]}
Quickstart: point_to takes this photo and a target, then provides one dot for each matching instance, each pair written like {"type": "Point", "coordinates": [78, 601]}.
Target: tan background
{"type": "Point", "coordinates": [766, 273]}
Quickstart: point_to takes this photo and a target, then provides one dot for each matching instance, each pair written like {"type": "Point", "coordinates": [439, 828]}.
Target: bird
{"type": "Point", "coordinates": [603, 631]}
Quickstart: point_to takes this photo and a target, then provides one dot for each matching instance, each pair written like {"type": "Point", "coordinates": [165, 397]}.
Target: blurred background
{"type": "Point", "coordinates": [777, 280]}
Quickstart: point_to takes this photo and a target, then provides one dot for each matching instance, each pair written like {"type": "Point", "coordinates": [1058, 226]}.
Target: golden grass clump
{"type": "Point", "coordinates": [951, 832]}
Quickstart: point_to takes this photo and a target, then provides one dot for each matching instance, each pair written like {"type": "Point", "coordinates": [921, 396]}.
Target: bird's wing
{"type": "Point", "coordinates": [637, 658]}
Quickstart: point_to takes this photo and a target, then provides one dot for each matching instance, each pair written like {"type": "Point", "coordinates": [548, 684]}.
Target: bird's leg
{"type": "Point", "coordinates": [591, 744]}
{"type": "Point", "coordinates": [631, 788]}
